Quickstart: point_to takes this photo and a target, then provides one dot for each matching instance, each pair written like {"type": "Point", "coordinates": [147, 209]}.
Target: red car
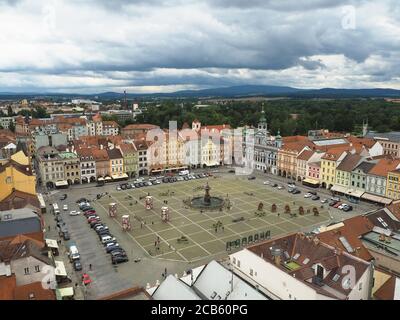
{"type": "Point", "coordinates": [86, 279]}
{"type": "Point", "coordinates": [89, 213]}
{"type": "Point", "coordinates": [92, 219]}
{"type": "Point", "coordinates": [337, 204]}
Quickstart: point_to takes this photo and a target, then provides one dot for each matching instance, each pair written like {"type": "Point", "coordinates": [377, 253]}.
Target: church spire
{"type": "Point", "coordinates": [262, 124]}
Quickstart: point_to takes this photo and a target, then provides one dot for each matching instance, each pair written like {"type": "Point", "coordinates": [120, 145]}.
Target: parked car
{"type": "Point", "coordinates": [79, 201]}
{"type": "Point", "coordinates": [112, 247]}
{"type": "Point", "coordinates": [274, 185]}
{"type": "Point", "coordinates": [291, 185]}
{"type": "Point", "coordinates": [337, 204]}
{"type": "Point", "coordinates": [65, 207]}
{"type": "Point", "coordinates": [335, 199]}
{"type": "Point", "coordinates": [315, 197]}
{"type": "Point", "coordinates": [266, 182]}
{"type": "Point", "coordinates": [296, 191]}
{"type": "Point", "coordinates": [332, 203]}
{"type": "Point", "coordinates": [119, 259]}
{"type": "Point", "coordinates": [308, 195]}
{"type": "Point", "coordinates": [66, 236]}
{"type": "Point", "coordinates": [74, 213]}
{"type": "Point", "coordinates": [63, 197]}
{"type": "Point", "coordinates": [118, 252]}
{"type": "Point", "coordinates": [87, 208]}
{"type": "Point", "coordinates": [342, 206]}
{"type": "Point", "coordinates": [100, 229]}
{"type": "Point", "coordinates": [89, 213]}
{"type": "Point", "coordinates": [251, 178]}
{"type": "Point", "coordinates": [118, 188]}
{"type": "Point", "coordinates": [106, 238]}
{"type": "Point", "coordinates": [348, 208]}
{"type": "Point", "coordinates": [324, 200]}
{"type": "Point", "coordinates": [77, 265]}
{"type": "Point", "coordinates": [93, 218]}
{"type": "Point", "coordinates": [280, 187]}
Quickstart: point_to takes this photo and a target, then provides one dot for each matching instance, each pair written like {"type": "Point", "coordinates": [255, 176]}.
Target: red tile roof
{"type": "Point", "coordinates": [386, 291]}
{"type": "Point", "coordinates": [384, 166]}
{"type": "Point", "coordinates": [353, 228]}
{"type": "Point", "coordinates": [7, 285]}
{"type": "Point", "coordinates": [305, 155]}
{"type": "Point", "coordinates": [33, 291]}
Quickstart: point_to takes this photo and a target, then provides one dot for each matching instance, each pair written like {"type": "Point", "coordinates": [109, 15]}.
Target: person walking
{"type": "Point", "coordinates": [90, 267]}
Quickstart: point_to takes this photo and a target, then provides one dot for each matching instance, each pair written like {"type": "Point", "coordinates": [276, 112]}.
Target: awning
{"type": "Point", "coordinates": [375, 198]}
{"type": "Point", "coordinates": [118, 176]}
{"type": "Point", "coordinates": [337, 188]}
{"type": "Point", "coordinates": [60, 269]}
{"type": "Point", "coordinates": [66, 292]}
{"type": "Point", "coordinates": [100, 179]}
{"type": "Point", "coordinates": [51, 243]}
{"type": "Point", "coordinates": [354, 193]}
{"type": "Point", "coordinates": [61, 183]}
{"type": "Point", "coordinates": [311, 181]}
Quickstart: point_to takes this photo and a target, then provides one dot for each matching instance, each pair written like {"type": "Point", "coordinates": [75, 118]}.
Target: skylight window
{"type": "Point", "coordinates": [296, 256]}
{"type": "Point", "coordinates": [336, 277]}
{"type": "Point", "coordinates": [306, 260]}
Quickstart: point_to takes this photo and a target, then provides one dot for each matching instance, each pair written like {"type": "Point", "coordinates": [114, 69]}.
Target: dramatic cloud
{"type": "Point", "coordinates": [155, 45]}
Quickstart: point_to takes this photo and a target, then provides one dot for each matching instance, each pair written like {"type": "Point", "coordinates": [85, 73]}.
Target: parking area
{"type": "Point", "coordinates": [206, 234]}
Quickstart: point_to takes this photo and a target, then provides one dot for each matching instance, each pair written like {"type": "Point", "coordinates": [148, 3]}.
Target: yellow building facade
{"type": "Point", "coordinates": [15, 177]}
{"type": "Point", "coordinates": [393, 185]}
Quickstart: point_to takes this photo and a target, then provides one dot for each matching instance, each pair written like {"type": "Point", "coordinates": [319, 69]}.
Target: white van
{"type": "Point", "coordinates": [73, 253]}
{"type": "Point", "coordinates": [183, 172]}
{"type": "Point", "coordinates": [106, 238]}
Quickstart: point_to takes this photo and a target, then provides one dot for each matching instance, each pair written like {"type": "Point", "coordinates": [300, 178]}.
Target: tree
{"type": "Point", "coordinates": [10, 111]}
{"type": "Point", "coordinates": [11, 127]}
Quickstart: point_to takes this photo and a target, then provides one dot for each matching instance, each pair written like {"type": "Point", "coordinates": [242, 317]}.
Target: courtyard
{"type": "Point", "coordinates": [192, 235]}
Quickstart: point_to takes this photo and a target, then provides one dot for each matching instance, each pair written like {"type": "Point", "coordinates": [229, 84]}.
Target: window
{"type": "Point", "coordinates": [26, 270]}
{"type": "Point", "coordinates": [251, 272]}
{"type": "Point", "coordinates": [238, 263]}
{"type": "Point", "coordinates": [37, 268]}
{"type": "Point", "coordinates": [360, 286]}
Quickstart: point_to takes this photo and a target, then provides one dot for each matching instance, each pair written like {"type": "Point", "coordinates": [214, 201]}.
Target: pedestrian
{"type": "Point", "coordinates": [155, 243]}
{"type": "Point", "coordinates": [90, 267]}
{"type": "Point", "coordinates": [48, 228]}
{"type": "Point", "coordinates": [279, 214]}
{"type": "Point", "coordinates": [165, 272]}
{"type": "Point", "coordinates": [223, 228]}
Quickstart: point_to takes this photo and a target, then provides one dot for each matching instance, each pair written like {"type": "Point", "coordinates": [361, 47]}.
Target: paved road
{"type": "Point", "coordinates": [106, 279]}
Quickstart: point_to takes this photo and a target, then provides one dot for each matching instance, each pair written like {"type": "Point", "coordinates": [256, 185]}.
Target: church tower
{"type": "Point", "coordinates": [365, 128]}
{"type": "Point", "coordinates": [262, 124]}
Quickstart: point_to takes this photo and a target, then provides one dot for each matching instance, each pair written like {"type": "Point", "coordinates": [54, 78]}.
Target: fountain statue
{"type": "Point", "coordinates": [207, 201]}
{"type": "Point", "coordinates": [207, 197]}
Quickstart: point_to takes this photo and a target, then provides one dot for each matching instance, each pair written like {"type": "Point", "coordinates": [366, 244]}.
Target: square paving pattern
{"type": "Point", "coordinates": [203, 240]}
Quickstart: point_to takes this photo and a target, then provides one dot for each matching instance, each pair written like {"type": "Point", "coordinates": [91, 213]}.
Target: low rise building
{"type": "Point", "coordinates": [130, 158]}
{"type": "Point", "coordinates": [297, 267]}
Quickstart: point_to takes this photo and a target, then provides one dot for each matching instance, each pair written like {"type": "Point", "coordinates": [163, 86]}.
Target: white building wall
{"type": "Point", "coordinates": [376, 150]}
{"type": "Point", "coordinates": [18, 268]}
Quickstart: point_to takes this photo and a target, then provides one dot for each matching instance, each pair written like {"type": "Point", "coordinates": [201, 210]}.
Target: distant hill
{"type": "Point", "coordinates": [227, 92]}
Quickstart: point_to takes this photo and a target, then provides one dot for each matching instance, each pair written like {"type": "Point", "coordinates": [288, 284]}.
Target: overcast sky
{"type": "Point", "coordinates": [89, 46]}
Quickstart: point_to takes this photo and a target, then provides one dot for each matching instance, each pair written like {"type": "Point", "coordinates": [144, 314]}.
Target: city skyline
{"type": "Point", "coordinates": [153, 46]}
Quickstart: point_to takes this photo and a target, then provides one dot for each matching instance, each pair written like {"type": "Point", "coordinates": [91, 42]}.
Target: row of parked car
{"type": "Point", "coordinates": [336, 203]}
{"type": "Point", "coordinates": [140, 183]}
{"type": "Point", "coordinates": [112, 247]}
